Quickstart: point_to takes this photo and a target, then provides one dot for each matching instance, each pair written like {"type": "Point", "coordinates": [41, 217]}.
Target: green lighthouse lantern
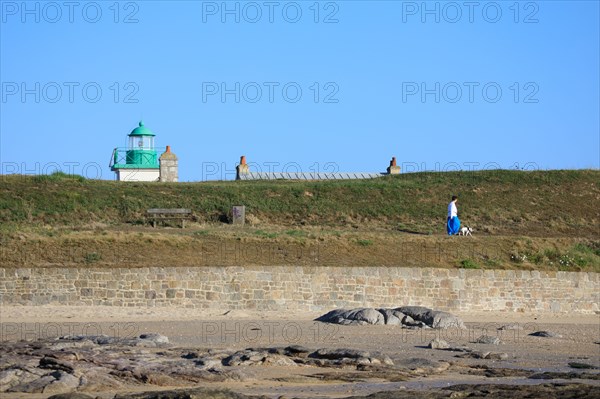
{"type": "Point", "coordinates": [139, 161]}
{"type": "Point", "coordinates": [141, 150]}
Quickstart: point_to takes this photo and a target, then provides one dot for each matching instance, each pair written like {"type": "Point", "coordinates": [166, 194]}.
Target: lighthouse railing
{"type": "Point", "coordinates": [118, 157]}
{"type": "Point", "coordinates": [123, 157]}
{"type": "Point", "coordinates": [113, 158]}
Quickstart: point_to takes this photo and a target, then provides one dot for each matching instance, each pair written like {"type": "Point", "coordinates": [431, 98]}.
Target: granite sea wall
{"type": "Point", "coordinates": [304, 288]}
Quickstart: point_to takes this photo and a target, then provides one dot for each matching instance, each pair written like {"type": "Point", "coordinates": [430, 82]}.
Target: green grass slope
{"type": "Point", "coordinates": [543, 203]}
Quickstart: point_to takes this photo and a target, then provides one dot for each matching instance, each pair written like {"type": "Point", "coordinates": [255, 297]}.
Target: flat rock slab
{"type": "Point", "coordinates": [484, 355]}
{"type": "Point", "coordinates": [97, 363]}
{"type": "Point", "coordinates": [438, 344]}
{"type": "Point", "coordinates": [492, 391]}
{"type": "Point", "coordinates": [193, 393]}
{"type": "Point", "coordinates": [421, 365]}
{"type": "Point", "coordinates": [488, 339]}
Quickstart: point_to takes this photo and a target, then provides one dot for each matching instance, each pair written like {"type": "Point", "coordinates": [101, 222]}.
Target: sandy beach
{"type": "Point", "coordinates": [238, 330]}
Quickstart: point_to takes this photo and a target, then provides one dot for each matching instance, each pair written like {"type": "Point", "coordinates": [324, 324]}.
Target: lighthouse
{"type": "Point", "coordinates": [139, 161]}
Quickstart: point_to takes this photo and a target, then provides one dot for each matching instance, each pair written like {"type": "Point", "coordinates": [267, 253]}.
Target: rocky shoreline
{"type": "Point", "coordinates": [382, 352]}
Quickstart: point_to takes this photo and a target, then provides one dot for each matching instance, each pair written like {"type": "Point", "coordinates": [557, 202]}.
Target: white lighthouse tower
{"type": "Point", "coordinates": [139, 161]}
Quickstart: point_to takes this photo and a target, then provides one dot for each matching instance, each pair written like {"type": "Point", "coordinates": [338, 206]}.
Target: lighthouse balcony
{"type": "Point", "coordinates": [127, 158]}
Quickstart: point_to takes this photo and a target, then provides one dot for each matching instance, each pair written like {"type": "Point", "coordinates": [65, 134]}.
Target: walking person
{"type": "Point", "coordinates": [453, 223]}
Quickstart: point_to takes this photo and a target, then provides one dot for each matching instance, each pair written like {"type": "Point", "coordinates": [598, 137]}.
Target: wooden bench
{"type": "Point", "coordinates": [157, 214]}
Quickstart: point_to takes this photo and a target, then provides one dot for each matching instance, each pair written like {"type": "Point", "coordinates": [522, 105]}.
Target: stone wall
{"type": "Point", "coordinates": [304, 288]}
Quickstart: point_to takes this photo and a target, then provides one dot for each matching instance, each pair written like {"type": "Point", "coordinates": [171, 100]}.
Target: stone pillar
{"type": "Point", "coordinates": [239, 215]}
{"type": "Point", "coordinates": [169, 169]}
{"type": "Point", "coordinates": [242, 168]}
{"type": "Point", "coordinates": [393, 169]}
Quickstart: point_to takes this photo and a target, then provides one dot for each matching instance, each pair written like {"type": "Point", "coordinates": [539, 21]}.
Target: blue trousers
{"type": "Point", "coordinates": [453, 225]}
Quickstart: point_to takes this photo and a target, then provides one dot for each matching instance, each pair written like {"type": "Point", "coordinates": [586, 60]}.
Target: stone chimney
{"type": "Point", "coordinates": [393, 169]}
{"type": "Point", "coordinates": [242, 168]}
{"type": "Point", "coordinates": [169, 169]}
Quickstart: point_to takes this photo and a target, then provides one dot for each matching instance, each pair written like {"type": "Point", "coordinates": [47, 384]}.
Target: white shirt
{"type": "Point", "coordinates": [452, 211]}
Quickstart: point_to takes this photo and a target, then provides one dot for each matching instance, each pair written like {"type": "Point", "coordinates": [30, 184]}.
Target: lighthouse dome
{"type": "Point", "coordinates": [141, 130]}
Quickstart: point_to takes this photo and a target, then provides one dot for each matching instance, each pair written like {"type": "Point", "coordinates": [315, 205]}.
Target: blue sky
{"type": "Point", "coordinates": [439, 85]}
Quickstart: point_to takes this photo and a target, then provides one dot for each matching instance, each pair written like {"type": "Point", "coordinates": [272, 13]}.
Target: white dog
{"type": "Point", "coordinates": [465, 231]}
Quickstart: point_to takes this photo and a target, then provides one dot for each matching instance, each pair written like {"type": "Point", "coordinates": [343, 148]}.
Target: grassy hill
{"type": "Point", "coordinates": [360, 221]}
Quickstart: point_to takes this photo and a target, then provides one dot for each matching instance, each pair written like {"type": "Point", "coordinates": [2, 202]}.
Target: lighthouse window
{"type": "Point", "coordinates": [141, 143]}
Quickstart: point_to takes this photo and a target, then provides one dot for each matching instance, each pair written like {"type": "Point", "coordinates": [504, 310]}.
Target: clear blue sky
{"type": "Point", "coordinates": [371, 61]}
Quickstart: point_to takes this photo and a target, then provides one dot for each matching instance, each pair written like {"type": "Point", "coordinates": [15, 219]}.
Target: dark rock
{"type": "Point", "coordinates": [190, 355]}
{"type": "Point", "coordinates": [459, 349]}
{"type": "Point", "coordinates": [86, 340]}
{"type": "Point", "coordinates": [501, 391]}
{"type": "Point", "coordinates": [498, 391]}
{"type": "Point", "coordinates": [157, 338]}
{"type": "Point", "coordinates": [416, 312]}
{"type": "Point", "coordinates": [541, 376]}
{"type": "Point", "coordinates": [296, 350]}
{"type": "Point", "coordinates": [484, 355]}
{"type": "Point", "coordinates": [552, 375]}
{"type": "Point", "coordinates": [546, 334]}
{"type": "Point", "coordinates": [193, 393]}
{"type": "Point", "coordinates": [248, 357]}
{"type": "Point", "coordinates": [54, 364]}
{"type": "Point", "coordinates": [345, 357]}
{"type": "Point", "coordinates": [474, 354]}
{"type": "Point", "coordinates": [364, 316]}
{"type": "Point", "coordinates": [577, 365]}
{"type": "Point", "coordinates": [392, 317]}
{"type": "Point", "coordinates": [71, 395]}
{"type": "Point", "coordinates": [339, 354]}
{"type": "Point", "coordinates": [105, 340]}
{"type": "Point", "coordinates": [251, 357]}
{"type": "Point", "coordinates": [209, 364]}
{"type": "Point", "coordinates": [408, 316]}
{"type": "Point", "coordinates": [432, 318]}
